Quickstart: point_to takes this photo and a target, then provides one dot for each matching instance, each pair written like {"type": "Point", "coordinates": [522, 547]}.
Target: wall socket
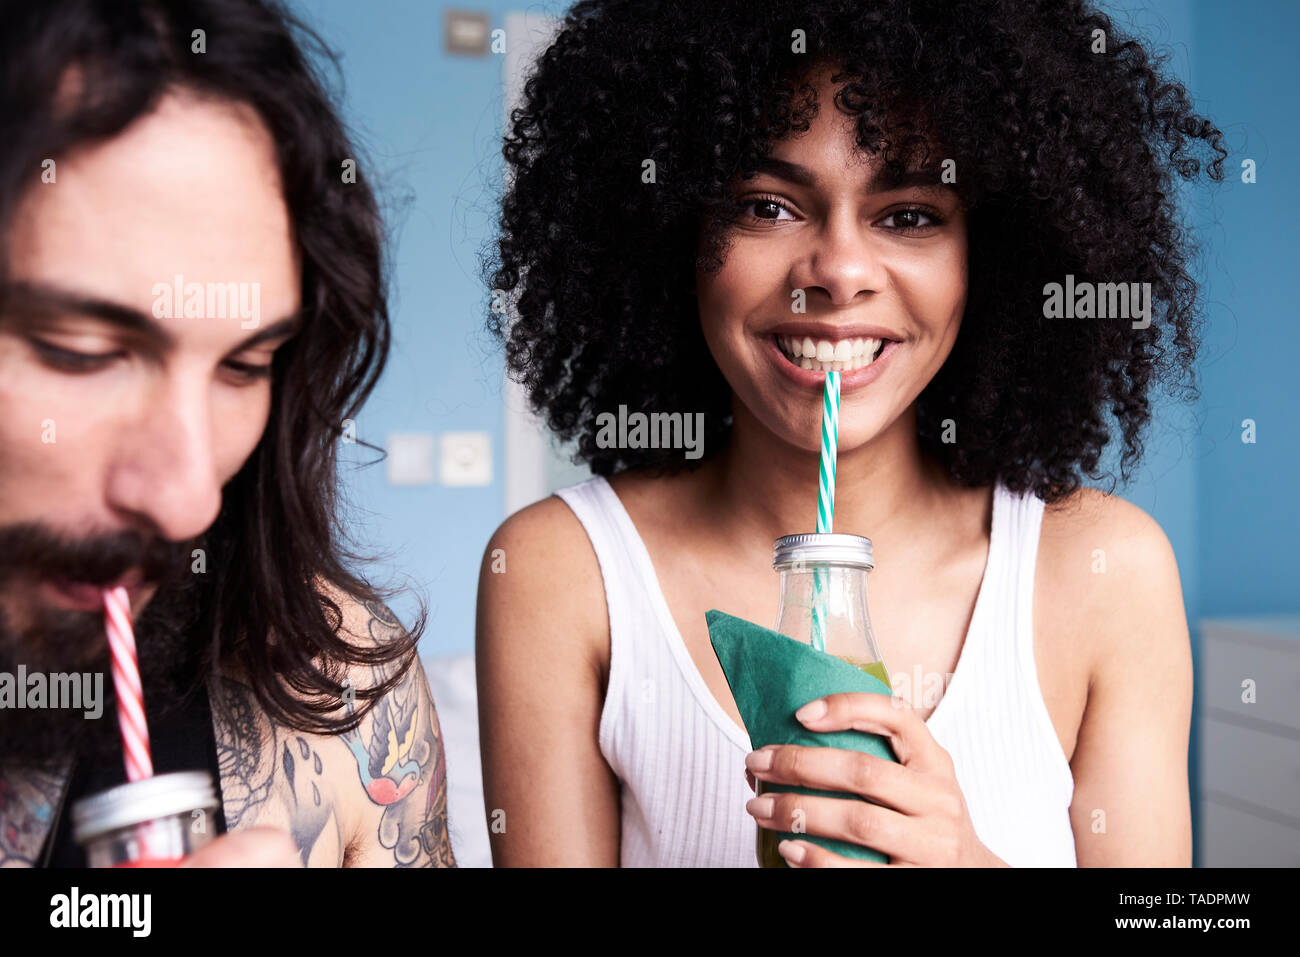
{"type": "Point", "coordinates": [466, 458]}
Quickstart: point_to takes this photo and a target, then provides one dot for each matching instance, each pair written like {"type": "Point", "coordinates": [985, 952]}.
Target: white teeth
{"type": "Point", "coordinates": [823, 355]}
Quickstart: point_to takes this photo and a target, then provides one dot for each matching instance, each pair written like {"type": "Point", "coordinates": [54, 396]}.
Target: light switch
{"type": "Point", "coordinates": [466, 458]}
{"type": "Point", "coordinates": [410, 458]}
{"type": "Point", "coordinates": [466, 32]}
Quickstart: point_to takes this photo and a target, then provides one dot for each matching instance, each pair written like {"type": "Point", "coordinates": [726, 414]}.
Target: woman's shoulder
{"type": "Point", "coordinates": [541, 541]}
{"type": "Point", "coordinates": [1120, 531]}
{"type": "Point", "coordinates": [551, 533]}
{"type": "Point", "coordinates": [1108, 568]}
{"type": "Point", "coordinates": [540, 580]}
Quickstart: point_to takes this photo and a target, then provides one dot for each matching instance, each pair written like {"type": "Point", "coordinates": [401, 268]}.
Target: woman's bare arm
{"type": "Point", "coordinates": [1131, 805]}
{"type": "Point", "coordinates": [550, 798]}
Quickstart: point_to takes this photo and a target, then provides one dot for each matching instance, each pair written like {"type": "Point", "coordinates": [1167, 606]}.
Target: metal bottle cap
{"type": "Point", "coordinates": [138, 801]}
{"type": "Point", "coordinates": [823, 548]}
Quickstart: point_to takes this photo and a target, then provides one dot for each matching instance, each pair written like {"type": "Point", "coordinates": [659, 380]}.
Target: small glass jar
{"type": "Point", "coordinates": [834, 566]}
{"type": "Point", "coordinates": [156, 822]}
{"type": "Point", "coordinates": [824, 586]}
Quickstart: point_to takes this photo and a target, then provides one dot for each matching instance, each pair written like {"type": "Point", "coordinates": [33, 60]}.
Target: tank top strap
{"type": "Point", "coordinates": [1024, 529]}
{"type": "Point", "coordinates": [998, 667]}
{"type": "Point", "coordinates": [626, 573]}
{"type": "Point", "coordinates": [602, 517]}
{"type": "Point", "coordinates": [678, 757]}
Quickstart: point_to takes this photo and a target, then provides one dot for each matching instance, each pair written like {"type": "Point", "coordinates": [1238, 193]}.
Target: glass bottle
{"type": "Point", "coordinates": [834, 567]}
{"type": "Point", "coordinates": [155, 822]}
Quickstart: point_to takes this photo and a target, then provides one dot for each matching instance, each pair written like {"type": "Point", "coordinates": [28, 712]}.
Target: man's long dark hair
{"type": "Point", "coordinates": [277, 546]}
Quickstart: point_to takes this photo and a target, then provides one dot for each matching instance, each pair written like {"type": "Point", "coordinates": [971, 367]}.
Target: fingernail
{"type": "Point", "coordinates": [759, 760]}
{"type": "Point", "coordinates": [761, 807]}
{"type": "Point", "coordinates": [812, 710]}
{"type": "Point", "coordinates": [792, 852]}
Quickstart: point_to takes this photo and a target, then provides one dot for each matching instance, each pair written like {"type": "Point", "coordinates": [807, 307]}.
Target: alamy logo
{"type": "Point", "coordinates": [657, 430]}
{"type": "Point", "coordinates": [34, 690]}
{"type": "Point", "coordinates": [103, 910]}
{"type": "Point", "coordinates": [208, 300]}
{"type": "Point", "coordinates": [1106, 300]}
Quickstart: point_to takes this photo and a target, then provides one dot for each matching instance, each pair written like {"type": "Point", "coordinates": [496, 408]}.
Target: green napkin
{"type": "Point", "coordinates": [771, 677]}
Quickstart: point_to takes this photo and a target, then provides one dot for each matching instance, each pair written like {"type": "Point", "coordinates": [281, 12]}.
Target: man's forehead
{"type": "Point", "coordinates": [191, 190]}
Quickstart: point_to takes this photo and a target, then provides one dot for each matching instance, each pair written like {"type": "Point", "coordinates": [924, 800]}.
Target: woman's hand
{"type": "Point", "coordinates": [924, 821]}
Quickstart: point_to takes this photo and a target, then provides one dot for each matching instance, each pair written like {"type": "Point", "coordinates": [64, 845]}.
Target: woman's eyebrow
{"type": "Point", "coordinates": [885, 180]}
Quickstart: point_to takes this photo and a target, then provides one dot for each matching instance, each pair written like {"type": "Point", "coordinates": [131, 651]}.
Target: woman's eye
{"type": "Point", "coordinates": [766, 208]}
{"type": "Point", "coordinates": [907, 220]}
{"type": "Point", "coordinates": [66, 360]}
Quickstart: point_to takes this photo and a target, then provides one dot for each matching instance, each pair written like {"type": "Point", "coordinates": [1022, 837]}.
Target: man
{"type": "Point", "coordinates": [191, 312]}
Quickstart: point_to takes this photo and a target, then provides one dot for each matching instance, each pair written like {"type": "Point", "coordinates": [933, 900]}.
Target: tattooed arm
{"type": "Point", "coordinates": [372, 797]}
{"type": "Point", "coordinates": [29, 802]}
{"type": "Point", "coordinates": [272, 776]}
{"type": "Point", "coordinates": [400, 769]}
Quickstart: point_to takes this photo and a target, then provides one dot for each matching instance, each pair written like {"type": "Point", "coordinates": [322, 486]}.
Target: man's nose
{"type": "Point", "coordinates": [164, 467]}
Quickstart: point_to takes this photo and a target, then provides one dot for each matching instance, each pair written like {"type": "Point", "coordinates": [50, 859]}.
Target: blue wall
{"type": "Point", "coordinates": [1246, 496]}
{"type": "Point", "coordinates": [429, 126]}
{"type": "Point", "coordinates": [1229, 507]}
{"type": "Point", "coordinates": [1165, 484]}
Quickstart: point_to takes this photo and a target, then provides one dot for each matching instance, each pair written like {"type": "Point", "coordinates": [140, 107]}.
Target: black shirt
{"type": "Point", "coordinates": [181, 739]}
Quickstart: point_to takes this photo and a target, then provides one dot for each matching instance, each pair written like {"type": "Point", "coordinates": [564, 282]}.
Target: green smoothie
{"type": "Point", "coordinates": [768, 855]}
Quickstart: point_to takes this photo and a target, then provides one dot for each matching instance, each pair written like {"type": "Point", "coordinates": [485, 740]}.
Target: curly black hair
{"type": "Point", "coordinates": [1066, 143]}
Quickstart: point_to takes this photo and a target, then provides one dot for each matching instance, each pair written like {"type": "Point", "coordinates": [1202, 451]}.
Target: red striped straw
{"type": "Point", "coordinates": [126, 679]}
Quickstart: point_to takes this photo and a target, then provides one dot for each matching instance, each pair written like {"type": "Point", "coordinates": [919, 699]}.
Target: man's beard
{"type": "Point", "coordinates": [52, 640]}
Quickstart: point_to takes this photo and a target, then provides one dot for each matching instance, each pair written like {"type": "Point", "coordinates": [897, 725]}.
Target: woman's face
{"type": "Point", "coordinates": [882, 270]}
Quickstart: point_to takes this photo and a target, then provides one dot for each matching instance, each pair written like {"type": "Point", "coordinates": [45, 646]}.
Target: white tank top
{"type": "Point", "coordinates": [680, 758]}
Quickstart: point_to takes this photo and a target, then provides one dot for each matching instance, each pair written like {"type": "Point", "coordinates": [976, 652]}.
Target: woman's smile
{"type": "Point", "coordinates": [804, 351]}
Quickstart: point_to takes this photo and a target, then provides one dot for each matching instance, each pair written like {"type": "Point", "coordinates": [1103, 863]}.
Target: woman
{"type": "Point", "coordinates": [710, 209]}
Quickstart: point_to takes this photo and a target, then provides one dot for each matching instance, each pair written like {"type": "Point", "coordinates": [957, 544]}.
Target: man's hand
{"type": "Point", "coordinates": [254, 847]}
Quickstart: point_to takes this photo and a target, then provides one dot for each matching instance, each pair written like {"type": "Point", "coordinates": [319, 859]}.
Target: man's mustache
{"type": "Point", "coordinates": [30, 550]}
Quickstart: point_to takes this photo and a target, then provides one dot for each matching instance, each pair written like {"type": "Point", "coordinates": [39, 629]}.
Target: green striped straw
{"type": "Point", "coordinates": [826, 499]}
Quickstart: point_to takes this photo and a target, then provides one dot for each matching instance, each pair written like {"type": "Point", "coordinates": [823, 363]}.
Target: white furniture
{"type": "Point", "coordinates": [1249, 750]}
